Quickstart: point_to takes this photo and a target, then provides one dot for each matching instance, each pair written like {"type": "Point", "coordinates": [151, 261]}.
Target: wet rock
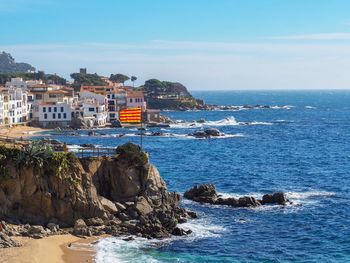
{"type": "Point", "coordinates": [275, 198]}
{"type": "Point", "coordinates": [199, 134]}
{"type": "Point", "coordinates": [205, 193]}
{"type": "Point", "coordinates": [181, 232]}
{"type": "Point", "coordinates": [192, 214]}
{"type": "Point", "coordinates": [212, 132]}
{"type": "Point", "coordinates": [231, 201]}
{"type": "Point", "coordinates": [247, 201]}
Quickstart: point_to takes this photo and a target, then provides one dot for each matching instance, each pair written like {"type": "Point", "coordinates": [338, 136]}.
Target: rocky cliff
{"type": "Point", "coordinates": [123, 194]}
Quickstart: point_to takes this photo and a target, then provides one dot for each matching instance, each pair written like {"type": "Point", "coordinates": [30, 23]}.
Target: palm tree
{"type": "Point", "coordinates": [133, 78]}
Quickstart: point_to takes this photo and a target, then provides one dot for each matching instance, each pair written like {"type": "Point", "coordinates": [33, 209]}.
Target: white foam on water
{"type": "Point", "coordinates": [308, 194]}
{"type": "Point", "coordinates": [229, 121]}
{"type": "Point", "coordinates": [307, 197]}
{"type": "Point", "coordinates": [310, 107]}
{"type": "Point", "coordinates": [111, 250]}
{"type": "Point", "coordinates": [260, 123]}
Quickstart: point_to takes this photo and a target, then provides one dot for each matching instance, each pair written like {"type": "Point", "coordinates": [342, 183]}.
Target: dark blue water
{"type": "Point", "coordinates": [303, 150]}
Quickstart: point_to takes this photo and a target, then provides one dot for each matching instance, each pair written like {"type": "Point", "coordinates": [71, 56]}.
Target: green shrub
{"type": "Point", "coordinates": [35, 154]}
{"type": "Point", "coordinates": [59, 163]}
{"type": "Point", "coordinates": [8, 152]}
{"type": "Point", "coordinates": [133, 153]}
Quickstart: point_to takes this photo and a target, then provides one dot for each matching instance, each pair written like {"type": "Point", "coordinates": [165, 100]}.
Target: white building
{"type": "Point", "coordinates": [15, 106]}
{"type": "Point", "coordinates": [136, 99]}
{"type": "Point", "coordinates": [1, 109]}
{"type": "Point", "coordinates": [92, 107]}
{"type": "Point", "coordinates": [55, 114]}
{"type": "Point", "coordinates": [50, 106]}
{"type": "Point", "coordinates": [16, 83]}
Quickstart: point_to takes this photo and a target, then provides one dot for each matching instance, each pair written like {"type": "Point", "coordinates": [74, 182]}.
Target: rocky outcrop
{"type": "Point", "coordinates": [206, 193]}
{"type": "Point", "coordinates": [206, 133]}
{"type": "Point", "coordinates": [123, 194]}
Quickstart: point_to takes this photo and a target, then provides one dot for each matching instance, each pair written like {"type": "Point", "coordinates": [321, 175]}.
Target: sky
{"type": "Point", "coordinates": [204, 44]}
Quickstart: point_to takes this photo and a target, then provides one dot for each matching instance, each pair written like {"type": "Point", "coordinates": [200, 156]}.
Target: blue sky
{"type": "Point", "coordinates": [205, 44]}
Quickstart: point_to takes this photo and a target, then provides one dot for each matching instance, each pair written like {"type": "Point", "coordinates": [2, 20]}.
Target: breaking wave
{"type": "Point", "coordinates": [143, 250]}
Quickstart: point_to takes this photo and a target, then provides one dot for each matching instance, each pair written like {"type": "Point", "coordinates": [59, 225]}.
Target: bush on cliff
{"type": "Point", "coordinates": [61, 162]}
{"type": "Point", "coordinates": [34, 154]}
{"type": "Point", "coordinates": [133, 153]}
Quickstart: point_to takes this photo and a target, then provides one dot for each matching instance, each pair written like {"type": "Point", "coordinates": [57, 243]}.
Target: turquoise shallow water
{"type": "Point", "coordinates": [303, 149]}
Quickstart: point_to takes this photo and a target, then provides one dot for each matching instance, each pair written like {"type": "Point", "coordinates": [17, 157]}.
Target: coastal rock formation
{"type": "Point", "coordinates": [206, 133]}
{"type": "Point", "coordinates": [206, 193]}
{"type": "Point", "coordinates": [122, 194]}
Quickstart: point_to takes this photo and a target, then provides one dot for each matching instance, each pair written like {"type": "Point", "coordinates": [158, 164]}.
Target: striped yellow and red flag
{"type": "Point", "coordinates": [132, 115]}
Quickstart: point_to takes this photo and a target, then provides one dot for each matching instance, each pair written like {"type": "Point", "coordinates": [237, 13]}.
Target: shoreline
{"type": "Point", "coordinates": [20, 131]}
{"type": "Point", "coordinates": [54, 249]}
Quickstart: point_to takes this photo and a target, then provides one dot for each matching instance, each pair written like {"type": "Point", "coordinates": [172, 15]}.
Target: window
{"type": "Point", "coordinates": [62, 109]}
{"type": "Point", "coordinates": [53, 115]}
{"type": "Point", "coordinates": [44, 109]}
{"type": "Point", "coordinates": [38, 96]}
{"type": "Point", "coordinates": [45, 116]}
{"type": "Point", "coordinates": [65, 115]}
{"type": "Point", "coordinates": [59, 115]}
{"type": "Point", "coordinates": [91, 109]}
{"type": "Point", "coordinates": [55, 109]}
{"type": "Point", "coordinates": [130, 99]}
{"type": "Point", "coordinates": [49, 109]}
{"type": "Point", "coordinates": [52, 96]}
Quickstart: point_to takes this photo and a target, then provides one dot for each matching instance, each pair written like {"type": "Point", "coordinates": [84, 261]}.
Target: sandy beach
{"type": "Point", "coordinates": [53, 249]}
{"type": "Point", "coordinates": [19, 131]}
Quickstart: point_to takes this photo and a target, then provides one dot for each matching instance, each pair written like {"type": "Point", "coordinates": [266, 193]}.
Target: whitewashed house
{"type": "Point", "coordinates": [92, 107]}
{"type": "Point", "coordinates": [15, 107]}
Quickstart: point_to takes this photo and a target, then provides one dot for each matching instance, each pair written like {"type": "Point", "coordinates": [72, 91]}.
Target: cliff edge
{"type": "Point", "coordinates": [121, 194]}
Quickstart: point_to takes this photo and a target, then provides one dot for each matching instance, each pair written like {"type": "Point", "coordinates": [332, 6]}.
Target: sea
{"type": "Point", "coordinates": [300, 146]}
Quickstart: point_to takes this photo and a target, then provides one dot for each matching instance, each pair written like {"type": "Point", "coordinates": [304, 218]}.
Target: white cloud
{"type": "Point", "coordinates": [201, 65]}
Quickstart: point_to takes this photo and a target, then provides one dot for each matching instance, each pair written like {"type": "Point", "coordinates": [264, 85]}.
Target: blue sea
{"type": "Point", "coordinates": [302, 148]}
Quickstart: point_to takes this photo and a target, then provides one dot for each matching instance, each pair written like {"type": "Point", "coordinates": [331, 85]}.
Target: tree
{"type": "Point", "coordinates": [120, 78]}
{"type": "Point", "coordinates": [133, 79]}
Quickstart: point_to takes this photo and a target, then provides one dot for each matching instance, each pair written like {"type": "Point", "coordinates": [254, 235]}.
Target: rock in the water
{"type": "Point", "coordinates": [275, 198]}
{"type": "Point", "coordinates": [199, 134]}
{"type": "Point", "coordinates": [248, 201]}
{"type": "Point", "coordinates": [181, 232]}
{"type": "Point", "coordinates": [212, 132]}
{"type": "Point", "coordinates": [231, 201]}
{"type": "Point", "coordinates": [205, 193]}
